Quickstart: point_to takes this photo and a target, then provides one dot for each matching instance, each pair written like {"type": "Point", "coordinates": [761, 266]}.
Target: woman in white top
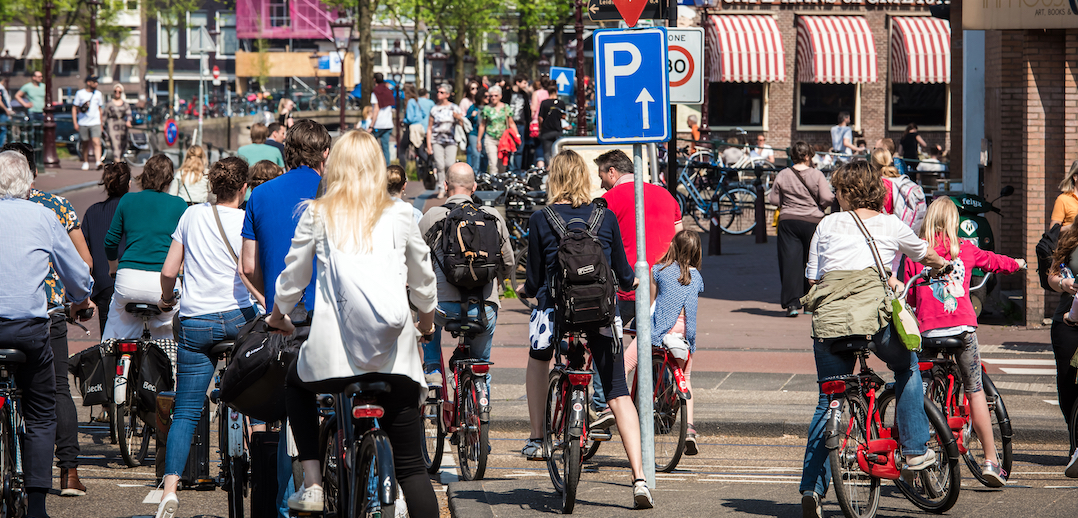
{"type": "Point", "coordinates": [360, 219]}
{"type": "Point", "coordinates": [215, 306]}
{"type": "Point", "coordinates": [838, 254]}
{"type": "Point", "coordinates": [191, 182]}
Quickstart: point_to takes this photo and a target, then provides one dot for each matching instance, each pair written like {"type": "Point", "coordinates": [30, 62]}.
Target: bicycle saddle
{"type": "Point", "coordinates": [142, 309]}
{"type": "Point", "coordinates": [943, 342]}
{"type": "Point", "coordinates": [222, 348]}
{"type": "Point", "coordinates": [367, 388]}
{"type": "Point", "coordinates": [852, 344]}
{"type": "Point", "coordinates": [469, 328]}
{"type": "Point", "coordinates": [12, 356]}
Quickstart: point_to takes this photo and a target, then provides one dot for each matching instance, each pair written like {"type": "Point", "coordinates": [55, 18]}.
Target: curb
{"type": "Point", "coordinates": [76, 187]}
{"type": "Point", "coordinates": [468, 499]}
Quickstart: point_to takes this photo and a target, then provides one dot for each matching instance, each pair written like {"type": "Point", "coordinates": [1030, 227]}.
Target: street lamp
{"type": "Point", "coordinates": [48, 147]}
{"type": "Point", "coordinates": [544, 66]}
{"type": "Point", "coordinates": [397, 59]}
{"type": "Point", "coordinates": [437, 65]}
{"type": "Point", "coordinates": [342, 30]}
{"type": "Point", "coordinates": [7, 64]}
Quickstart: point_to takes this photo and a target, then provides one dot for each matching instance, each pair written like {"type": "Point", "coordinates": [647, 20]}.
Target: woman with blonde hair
{"type": "Point", "coordinates": [569, 193]}
{"type": "Point", "coordinates": [357, 217]}
{"type": "Point", "coordinates": [1066, 206]}
{"type": "Point", "coordinates": [191, 182]}
{"type": "Point", "coordinates": [284, 112]}
{"type": "Point", "coordinates": [904, 197]}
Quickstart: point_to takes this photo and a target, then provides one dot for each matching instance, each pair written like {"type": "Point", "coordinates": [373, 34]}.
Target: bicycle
{"type": "Point", "coordinates": [708, 198]}
{"type": "Point", "coordinates": [566, 419]}
{"type": "Point", "coordinates": [517, 222]}
{"type": "Point", "coordinates": [467, 416]}
{"type": "Point", "coordinates": [671, 394]}
{"type": "Point", "coordinates": [232, 437]}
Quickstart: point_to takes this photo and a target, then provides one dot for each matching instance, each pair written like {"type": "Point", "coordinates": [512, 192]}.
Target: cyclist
{"type": "Point", "coordinates": [845, 301]}
{"type": "Point", "coordinates": [358, 215]}
{"type": "Point", "coordinates": [32, 238]}
{"type": "Point", "coordinates": [569, 191]}
{"type": "Point", "coordinates": [459, 185]}
{"type": "Point", "coordinates": [945, 310]}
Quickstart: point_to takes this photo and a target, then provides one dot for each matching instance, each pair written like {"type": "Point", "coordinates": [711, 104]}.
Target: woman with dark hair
{"type": "Point", "coordinates": [1065, 334]}
{"type": "Point", "coordinates": [908, 147]}
{"type": "Point", "coordinates": [802, 194]}
{"type": "Point", "coordinates": [145, 220]}
{"type": "Point", "coordinates": [845, 300]}
{"type": "Point", "coordinates": [95, 224]}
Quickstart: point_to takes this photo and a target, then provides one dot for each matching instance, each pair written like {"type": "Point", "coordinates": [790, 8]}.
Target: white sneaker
{"type": "Point", "coordinates": [307, 499]}
{"type": "Point", "coordinates": [1072, 466]}
{"type": "Point", "coordinates": [85, 166]}
{"type": "Point", "coordinates": [921, 461]}
{"type": "Point", "coordinates": [642, 495]}
{"type": "Point", "coordinates": [168, 507]}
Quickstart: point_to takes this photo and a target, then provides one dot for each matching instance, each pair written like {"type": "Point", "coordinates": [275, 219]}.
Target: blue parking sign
{"type": "Point", "coordinates": [632, 97]}
{"type": "Point", "coordinates": [565, 79]}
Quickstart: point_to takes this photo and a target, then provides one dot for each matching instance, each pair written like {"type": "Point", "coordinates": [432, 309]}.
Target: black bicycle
{"type": "Point", "coordinates": [233, 438]}
{"type": "Point", "coordinates": [12, 434]}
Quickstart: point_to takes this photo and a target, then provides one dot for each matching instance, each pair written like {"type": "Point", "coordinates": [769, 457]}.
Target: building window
{"type": "Point", "coordinates": [819, 104]}
{"type": "Point", "coordinates": [277, 11]}
{"type": "Point", "coordinates": [924, 104]}
{"type": "Point", "coordinates": [196, 20]}
{"type": "Point", "coordinates": [165, 36]}
{"type": "Point", "coordinates": [128, 74]}
{"type": "Point", "coordinates": [228, 44]}
{"type": "Point", "coordinates": [65, 67]}
{"type": "Point", "coordinates": [132, 5]}
{"type": "Point", "coordinates": [737, 105]}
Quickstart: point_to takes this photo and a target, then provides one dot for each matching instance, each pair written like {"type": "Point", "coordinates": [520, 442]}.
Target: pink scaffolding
{"type": "Point", "coordinates": [283, 19]}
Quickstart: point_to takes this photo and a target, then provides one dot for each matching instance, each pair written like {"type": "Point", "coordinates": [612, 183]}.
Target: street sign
{"type": "Point", "coordinates": [201, 42]}
{"type": "Point", "coordinates": [605, 10]}
{"type": "Point", "coordinates": [565, 78]}
{"type": "Point", "coordinates": [632, 86]}
{"type": "Point", "coordinates": [216, 72]}
{"type": "Point", "coordinates": [172, 132]}
{"type": "Point", "coordinates": [686, 66]}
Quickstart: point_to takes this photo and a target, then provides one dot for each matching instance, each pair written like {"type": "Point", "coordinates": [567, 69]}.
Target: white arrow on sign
{"type": "Point", "coordinates": [563, 82]}
{"type": "Point", "coordinates": [644, 98]}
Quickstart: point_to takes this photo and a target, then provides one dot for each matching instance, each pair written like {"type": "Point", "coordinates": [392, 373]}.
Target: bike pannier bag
{"type": "Point", "coordinates": [93, 376]}
{"type": "Point", "coordinates": [469, 244]}
{"type": "Point", "coordinates": [584, 287]}
{"type": "Point", "coordinates": [154, 375]}
{"type": "Point", "coordinates": [264, 473]}
{"type": "Point", "coordinates": [254, 380]}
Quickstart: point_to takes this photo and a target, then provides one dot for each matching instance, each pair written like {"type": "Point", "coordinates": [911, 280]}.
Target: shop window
{"type": "Point", "coordinates": [737, 105]}
{"type": "Point", "coordinates": [65, 67]}
{"type": "Point", "coordinates": [819, 104]}
{"type": "Point", "coordinates": [924, 104]}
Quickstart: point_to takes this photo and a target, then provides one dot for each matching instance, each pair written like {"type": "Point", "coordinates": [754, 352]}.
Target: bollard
{"type": "Point", "coordinates": [714, 237]}
{"type": "Point", "coordinates": [760, 230]}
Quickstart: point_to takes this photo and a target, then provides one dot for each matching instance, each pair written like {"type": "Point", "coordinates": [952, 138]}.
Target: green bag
{"type": "Point", "coordinates": [902, 317]}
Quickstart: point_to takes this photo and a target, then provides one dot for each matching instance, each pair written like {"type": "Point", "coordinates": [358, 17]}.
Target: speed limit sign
{"type": "Point", "coordinates": [686, 65]}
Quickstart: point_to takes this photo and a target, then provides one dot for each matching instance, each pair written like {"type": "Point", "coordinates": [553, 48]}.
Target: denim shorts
{"type": "Point", "coordinates": [968, 360]}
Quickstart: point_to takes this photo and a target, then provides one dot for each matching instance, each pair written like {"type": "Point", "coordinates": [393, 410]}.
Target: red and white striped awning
{"type": "Point", "coordinates": [920, 50]}
{"type": "Point", "coordinates": [745, 49]}
{"type": "Point", "coordinates": [835, 49]}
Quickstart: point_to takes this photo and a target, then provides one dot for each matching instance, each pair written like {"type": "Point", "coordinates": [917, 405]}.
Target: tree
{"type": "Point", "coordinates": [400, 12]}
{"type": "Point", "coordinates": [66, 15]}
{"type": "Point", "coordinates": [531, 16]}
{"type": "Point", "coordinates": [460, 23]}
{"type": "Point", "coordinates": [364, 16]}
{"type": "Point", "coordinates": [171, 14]}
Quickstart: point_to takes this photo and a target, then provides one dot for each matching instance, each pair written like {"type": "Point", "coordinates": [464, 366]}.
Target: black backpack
{"type": "Point", "coordinates": [470, 246]}
{"type": "Point", "coordinates": [154, 376]}
{"type": "Point", "coordinates": [584, 287]}
{"type": "Point", "coordinates": [1045, 248]}
{"type": "Point", "coordinates": [254, 380]}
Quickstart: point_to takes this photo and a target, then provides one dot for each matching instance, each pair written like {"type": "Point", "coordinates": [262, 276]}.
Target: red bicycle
{"type": "Point", "coordinates": [566, 419]}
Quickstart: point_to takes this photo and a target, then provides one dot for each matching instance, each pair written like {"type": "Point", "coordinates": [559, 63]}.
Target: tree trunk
{"type": "Point", "coordinates": [559, 45]}
{"type": "Point", "coordinates": [366, 62]}
{"type": "Point", "coordinates": [458, 64]}
{"type": "Point", "coordinates": [526, 51]}
{"type": "Point", "coordinates": [171, 70]}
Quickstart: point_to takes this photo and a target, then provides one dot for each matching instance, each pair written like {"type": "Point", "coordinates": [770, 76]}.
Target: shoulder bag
{"type": "Point", "coordinates": [905, 323]}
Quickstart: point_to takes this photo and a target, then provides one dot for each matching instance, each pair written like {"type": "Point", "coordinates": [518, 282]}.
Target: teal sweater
{"type": "Point", "coordinates": [148, 219]}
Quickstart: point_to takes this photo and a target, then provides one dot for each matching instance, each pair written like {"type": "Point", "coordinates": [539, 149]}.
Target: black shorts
{"type": "Point", "coordinates": [609, 365]}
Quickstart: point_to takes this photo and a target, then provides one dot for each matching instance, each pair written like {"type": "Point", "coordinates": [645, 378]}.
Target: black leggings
{"type": "Point", "coordinates": [1064, 345]}
{"type": "Point", "coordinates": [402, 423]}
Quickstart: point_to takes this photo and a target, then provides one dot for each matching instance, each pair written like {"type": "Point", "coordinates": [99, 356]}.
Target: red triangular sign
{"type": "Point", "coordinates": [630, 10]}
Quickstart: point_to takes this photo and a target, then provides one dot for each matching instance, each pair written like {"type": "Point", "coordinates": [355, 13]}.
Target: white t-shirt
{"type": "Point", "coordinates": [839, 245]}
{"type": "Point", "coordinates": [211, 281]}
{"type": "Point", "coordinates": [763, 152]}
{"type": "Point", "coordinates": [931, 165]}
{"type": "Point", "coordinates": [92, 116]}
{"type": "Point", "coordinates": [384, 119]}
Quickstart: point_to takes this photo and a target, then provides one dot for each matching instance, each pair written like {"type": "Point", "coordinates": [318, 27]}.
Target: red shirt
{"type": "Point", "coordinates": [661, 213]}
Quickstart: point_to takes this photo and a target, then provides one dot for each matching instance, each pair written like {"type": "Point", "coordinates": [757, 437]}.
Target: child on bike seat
{"type": "Point", "coordinates": [944, 309]}
{"type": "Point", "coordinates": [676, 285]}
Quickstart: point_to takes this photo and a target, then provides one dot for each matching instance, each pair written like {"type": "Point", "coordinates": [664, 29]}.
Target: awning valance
{"type": "Point", "coordinates": [126, 53]}
{"type": "Point", "coordinates": [745, 49]}
{"type": "Point", "coordinates": [835, 49]}
{"type": "Point", "coordinates": [920, 50]}
{"type": "Point", "coordinates": [68, 47]}
{"type": "Point", "coordinates": [14, 42]}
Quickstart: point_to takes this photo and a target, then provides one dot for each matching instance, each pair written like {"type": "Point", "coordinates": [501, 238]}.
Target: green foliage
{"type": "Point", "coordinates": [263, 63]}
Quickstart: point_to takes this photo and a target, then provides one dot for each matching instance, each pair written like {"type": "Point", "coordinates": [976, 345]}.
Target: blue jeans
{"type": "Point", "coordinates": [383, 138]}
{"type": "Point", "coordinates": [473, 152]}
{"type": "Point", "coordinates": [448, 311]}
{"type": "Point", "coordinates": [194, 370]}
{"type": "Point", "coordinates": [4, 120]}
{"type": "Point", "coordinates": [909, 409]}
{"type": "Point", "coordinates": [518, 156]}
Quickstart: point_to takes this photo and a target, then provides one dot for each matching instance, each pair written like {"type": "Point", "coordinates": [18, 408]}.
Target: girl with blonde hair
{"type": "Point", "coordinates": [1066, 206]}
{"type": "Point", "coordinates": [944, 310]}
{"type": "Point", "coordinates": [191, 182]}
{"type": "Point", "coordinates": [569, 188]}
{"type": "Point", "coordinates": [357, 217]}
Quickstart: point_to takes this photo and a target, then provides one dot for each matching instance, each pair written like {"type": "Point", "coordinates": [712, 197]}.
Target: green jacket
{"type": "Point", "coordinates": [848, 303]}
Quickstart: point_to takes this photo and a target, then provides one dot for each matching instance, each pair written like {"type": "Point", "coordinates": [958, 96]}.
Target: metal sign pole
{"type": "Point", "coordinates": [644, 384]}
{"type": "Point", "coordinates": [201, 93]}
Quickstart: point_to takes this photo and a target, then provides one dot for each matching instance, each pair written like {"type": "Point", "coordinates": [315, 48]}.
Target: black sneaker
{"type": "Point", "coordinates": [690, 442]}
{"type": "Point", "coordinates": [810, 505]}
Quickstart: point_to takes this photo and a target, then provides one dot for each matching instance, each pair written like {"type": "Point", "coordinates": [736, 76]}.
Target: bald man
{"type": "Point", "coordinates": [459, 186]}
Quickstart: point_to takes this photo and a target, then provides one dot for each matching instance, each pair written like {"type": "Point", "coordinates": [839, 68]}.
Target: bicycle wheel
{"type": "Point", "coordinates": [233, 469]}
{"type": "Point", "coordinates": [10, 503]}
{"type": "Point", "coordinates": [474, 443]}
{"type": "Point", "coordinates": [125, 420]}
{"type": "Point", "coordinates": [934, 489]}
{"type": "Point", "coordinates": [858, 492]}
{"type": "Point", "coordinates": [516, 276]}
{"type": "Point", "coordinates": [564, 456]}
{"type": "Point", "coordinates": [735, 210]}
{"type": "Point", "coordinates": [1001, 435]}
{"type": "Point", "coordinates": [671, 421]}
{"type": "Point", "coordinates": [331, 475]}
{"type": "Point", "coordinates": [433, 432]}
{"type": "Point", "coordinates": [375, 477]}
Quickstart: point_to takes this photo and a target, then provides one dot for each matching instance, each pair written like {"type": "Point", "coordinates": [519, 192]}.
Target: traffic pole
{"type": "Point", "coordinates": [644, 384]}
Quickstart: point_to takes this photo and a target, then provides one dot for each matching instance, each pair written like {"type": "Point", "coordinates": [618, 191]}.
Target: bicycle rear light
{"type": "Point", "coordinates": [2, 401]}
{"type": "Point", "coordinates": [833, 387]}
{"type": "Point", "coordinates": [925, 366]}
{"type": "Point", "coordinates": [127, 347]}
{"type": "Point", "coordinates": [480, 369]}
{"type": "Point", "coordinates": [362, 411]}
{"type": "Point", "coordinates": [580, 379]}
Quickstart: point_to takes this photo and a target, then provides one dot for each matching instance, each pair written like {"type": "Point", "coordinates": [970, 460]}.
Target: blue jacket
{"type": "Point", "coordinates": [418, 111]}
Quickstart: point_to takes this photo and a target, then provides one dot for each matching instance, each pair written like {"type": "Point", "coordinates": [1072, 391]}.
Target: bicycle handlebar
{"type": "Point", "coordinates": [925, 274]}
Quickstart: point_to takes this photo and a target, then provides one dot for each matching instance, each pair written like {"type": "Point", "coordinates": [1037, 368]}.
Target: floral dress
{"type": "Point", "coordinates": [497, 120]}
{"type": "Point", "coordinates": [116, 118]}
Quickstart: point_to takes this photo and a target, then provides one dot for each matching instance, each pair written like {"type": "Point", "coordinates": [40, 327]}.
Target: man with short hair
{"type": "Point", "coordinates": [459, 185]}
{"type": "Point", "coordinates": [268, 228]}
{"type": "Point", "coordinates": [32, 96]}
{"type": "Point", "coordinates": [276, 137]}
{"type": "Point", "coordinates": [520, 102]}
{"type": "Point", "coordinates": [33, 239]}
{"type": "Point", "coordinates": [86, 112]}
{"type": "Point", "coordinates": [258, 150]}
{"type": "Point", "coordinates": [842, 136]}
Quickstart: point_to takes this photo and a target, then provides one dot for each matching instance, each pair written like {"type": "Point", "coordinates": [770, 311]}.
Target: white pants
{"type": "Point", "coordinates": [490, 145]}
{"type": "Point", "coordinates": [136, 286]}
{"type": "Point", "coordinates": [445, 155]}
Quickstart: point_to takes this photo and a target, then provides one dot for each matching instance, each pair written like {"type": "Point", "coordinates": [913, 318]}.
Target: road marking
{"type": "Point", "coordinates": [753, 481]}
{"type": "Point", "coordinates": [1033, 372]}
{"type": "Point", "coordinates": [993, 361]}
{"type": "Point", "coordinates": [1051, 401]}
{"type": "Point", "coordinates": [448, 472]}
{"type": "Point", "coordinates": [153, 497]}
{"type": "Point", "coordinates": [1061, 487]}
